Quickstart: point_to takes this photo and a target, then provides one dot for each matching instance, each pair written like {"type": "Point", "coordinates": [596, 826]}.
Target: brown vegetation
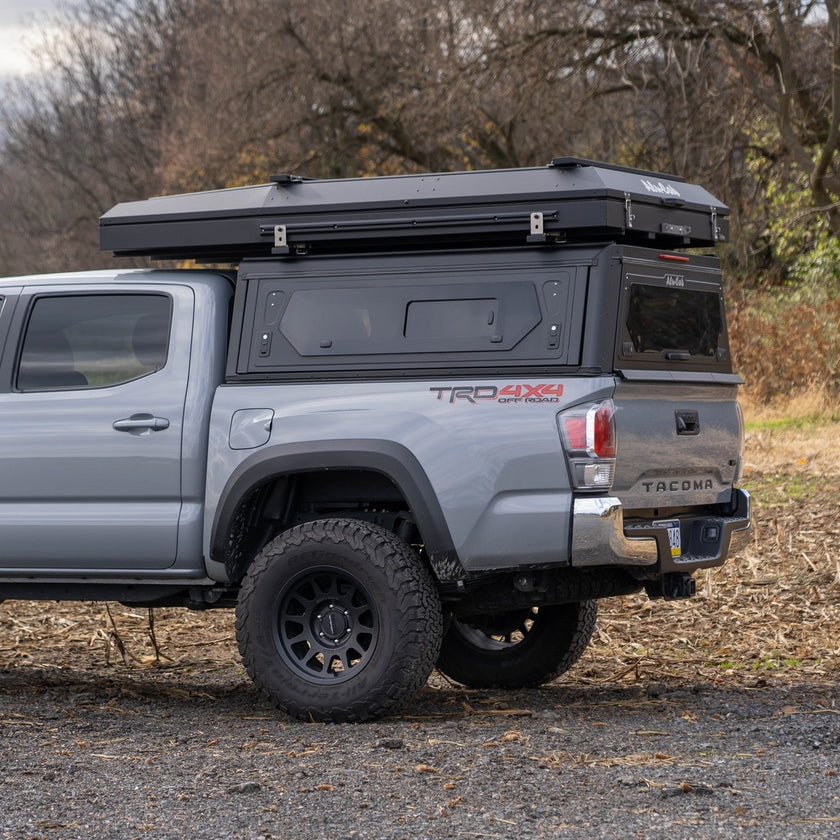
{"type": "Point", "coordinates": [162, 96]}
{"type": "Point", "coordinates": [771, 612]}
{"type": "Point", "coordinates": [786, 347]}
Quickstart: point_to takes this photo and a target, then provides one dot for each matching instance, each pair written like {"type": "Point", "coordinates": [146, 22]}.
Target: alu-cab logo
{"type": "Point", "coordinates": [520, 393]}
{"type": "Point", "coordinates": [658, 188]}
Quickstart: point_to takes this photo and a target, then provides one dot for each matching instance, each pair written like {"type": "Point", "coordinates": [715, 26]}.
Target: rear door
{"type": "Point", "coordinates": [678, 422]}
{"type": "Point", "coordinates": [91, 417]}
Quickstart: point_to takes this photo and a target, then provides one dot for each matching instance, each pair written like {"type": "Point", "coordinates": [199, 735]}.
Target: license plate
{"type": "Point", "coordinates": [673, 526]}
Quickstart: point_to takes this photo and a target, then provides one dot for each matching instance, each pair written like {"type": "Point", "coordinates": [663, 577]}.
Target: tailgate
{"type": "Point", "coordinates": [678, 423]}
{"type": "Point", "coordinates": [679, 444]}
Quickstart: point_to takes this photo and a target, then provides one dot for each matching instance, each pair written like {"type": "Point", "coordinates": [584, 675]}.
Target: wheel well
{"type": "Point", "coordinates": [282, 501]}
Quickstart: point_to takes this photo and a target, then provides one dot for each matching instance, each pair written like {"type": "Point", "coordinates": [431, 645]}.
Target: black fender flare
{"type": "Point", "coordinates": [383, 456]}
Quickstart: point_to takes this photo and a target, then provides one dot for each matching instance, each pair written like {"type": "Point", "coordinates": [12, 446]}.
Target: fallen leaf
{"type": "Point", "coordinates": [424, 768]}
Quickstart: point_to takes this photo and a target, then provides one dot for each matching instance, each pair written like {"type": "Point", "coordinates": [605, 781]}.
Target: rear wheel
{"type": "Point", "coordinates": [338, 620]}
{"type": "Point", "coordinates": [517, 649]}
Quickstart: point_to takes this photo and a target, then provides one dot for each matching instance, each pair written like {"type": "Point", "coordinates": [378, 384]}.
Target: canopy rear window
{"type": "Point", "coordinates": [682, 320]}
{"type": "Point", "coordinates": [673, 321]}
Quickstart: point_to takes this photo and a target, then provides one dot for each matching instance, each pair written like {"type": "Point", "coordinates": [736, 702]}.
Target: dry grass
{"type": "Point", "coordinates": [811, 407]}
{"type": "Point", "coordinates": [770, 615]}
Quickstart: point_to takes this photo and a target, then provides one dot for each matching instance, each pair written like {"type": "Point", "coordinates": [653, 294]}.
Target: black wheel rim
{"type": "Point", "coordinates": [327, 625]}
{"type": "Point", "coordinates": [498, 632]}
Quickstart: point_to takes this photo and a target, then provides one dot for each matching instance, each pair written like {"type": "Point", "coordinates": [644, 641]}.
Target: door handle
{"type": "Point", "coordinates": [141, 424]}
{"type": "Point", "coordinates": [688, 422]}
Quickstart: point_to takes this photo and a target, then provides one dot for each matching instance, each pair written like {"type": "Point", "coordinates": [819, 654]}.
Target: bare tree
{"type": "Point", "coordinates": [85, 133]}
{"type": "Point", "coordinates": [159, 96]}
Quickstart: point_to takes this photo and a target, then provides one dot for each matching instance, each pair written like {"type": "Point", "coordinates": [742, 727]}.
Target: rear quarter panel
{"type": "Point", "coordinates": [490, 449]}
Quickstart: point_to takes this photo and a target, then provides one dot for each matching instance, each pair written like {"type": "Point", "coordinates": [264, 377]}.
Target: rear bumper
{"type": "Point", "coordinates": [601, 537]}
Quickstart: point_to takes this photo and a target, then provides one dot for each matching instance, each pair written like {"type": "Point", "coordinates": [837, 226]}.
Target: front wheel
{"type": "Point", "coordinates": [517, 649]}
{"type": "Point", "coordinates": [338, 620]}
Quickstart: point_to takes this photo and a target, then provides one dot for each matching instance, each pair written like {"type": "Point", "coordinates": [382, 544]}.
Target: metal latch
{"type": "Point", "coordinates": [629, 216]}
{"type": "Point", "coordinates": [281, 246]}
{"type": "Point", "coordinates": [715, 228]}
{"type": "Point", "coordinates": [537, 228]}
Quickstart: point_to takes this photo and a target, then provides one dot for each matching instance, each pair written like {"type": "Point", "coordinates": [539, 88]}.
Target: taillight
{"type": "Point", "coordinates": [603, 437]}
{"type": "Point", "coordinates": [575, 432]}
{"type": "Point", "coordinates": [590, 430]}
{"type": "Point", "coordinates": [589, 439]}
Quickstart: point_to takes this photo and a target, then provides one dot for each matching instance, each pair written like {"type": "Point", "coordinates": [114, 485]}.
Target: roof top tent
{"type": "Point", "coordinates": [570, 200]}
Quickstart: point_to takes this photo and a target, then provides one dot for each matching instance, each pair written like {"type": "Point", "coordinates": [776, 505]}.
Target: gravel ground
{"type": "Point", "coordinates": [159, 755]}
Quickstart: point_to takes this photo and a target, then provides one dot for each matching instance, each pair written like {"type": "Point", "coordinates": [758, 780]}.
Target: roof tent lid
{"type": "Point", "coordinates": [401, 209]}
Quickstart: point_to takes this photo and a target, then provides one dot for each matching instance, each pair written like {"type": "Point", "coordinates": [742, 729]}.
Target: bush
{"type": "Point", "coordinates": [787, 340]}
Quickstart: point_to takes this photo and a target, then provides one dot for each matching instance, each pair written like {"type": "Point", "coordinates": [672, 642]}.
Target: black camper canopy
{"type": "Point", "coordinates": [570, 200]}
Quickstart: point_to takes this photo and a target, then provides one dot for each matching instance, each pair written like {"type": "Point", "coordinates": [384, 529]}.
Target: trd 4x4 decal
{"type": "Point", "coordinates": [521, 393]}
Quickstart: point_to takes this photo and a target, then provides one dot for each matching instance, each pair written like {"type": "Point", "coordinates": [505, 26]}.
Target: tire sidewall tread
{"type": "Point", "coordinates": [405, 598]}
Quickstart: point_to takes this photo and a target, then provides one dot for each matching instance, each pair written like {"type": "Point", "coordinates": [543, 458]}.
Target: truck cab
{"type": "Point", "coordinates": [106, 383]}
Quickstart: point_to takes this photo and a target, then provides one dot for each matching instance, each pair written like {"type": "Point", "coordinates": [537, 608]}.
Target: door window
{"type": "Point", "coordinates": [93, 341]}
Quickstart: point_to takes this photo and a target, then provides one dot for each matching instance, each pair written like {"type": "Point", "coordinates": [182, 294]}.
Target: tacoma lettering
{"type": "Point", "coordinates": [678, 485]}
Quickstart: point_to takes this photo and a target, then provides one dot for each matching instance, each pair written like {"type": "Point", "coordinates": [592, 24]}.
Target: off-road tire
{"type": "Point", "coordinates": [519, 649]}
{"type": "Point", "coordinates": [338, 620]}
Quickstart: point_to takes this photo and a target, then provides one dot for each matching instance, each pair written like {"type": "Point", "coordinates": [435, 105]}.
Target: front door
{"type": "Point", "coordinates": [91, 422]}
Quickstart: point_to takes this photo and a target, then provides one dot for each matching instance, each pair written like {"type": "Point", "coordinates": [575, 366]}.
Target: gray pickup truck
{"type": "Point", "coordinates": [421, 421]}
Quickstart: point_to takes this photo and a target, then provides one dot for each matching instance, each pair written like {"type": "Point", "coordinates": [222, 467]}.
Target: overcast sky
{"type": "Point", "coordinates": [19, 30]}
